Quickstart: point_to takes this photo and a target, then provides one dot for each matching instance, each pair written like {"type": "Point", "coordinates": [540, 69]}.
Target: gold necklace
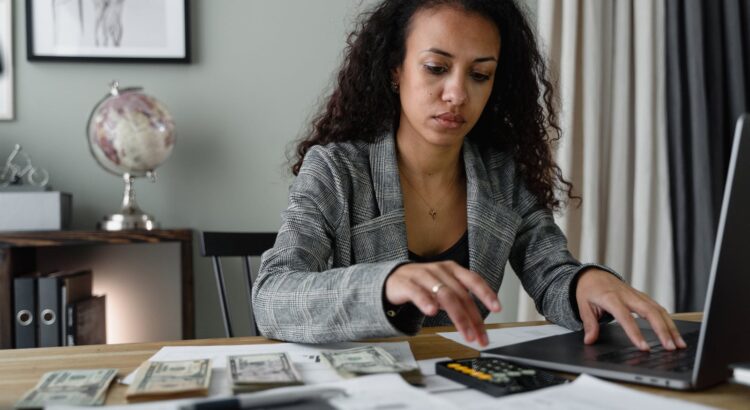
{"type": "Point", "coordinates": [433, 212]}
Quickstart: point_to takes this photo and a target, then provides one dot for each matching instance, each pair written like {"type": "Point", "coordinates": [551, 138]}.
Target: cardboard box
{"type": "Point", "coordinates": [35, 211]}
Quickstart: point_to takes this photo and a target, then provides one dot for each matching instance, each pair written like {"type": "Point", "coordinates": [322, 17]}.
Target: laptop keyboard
{"type": "Point", "coordinates": [659, 358]}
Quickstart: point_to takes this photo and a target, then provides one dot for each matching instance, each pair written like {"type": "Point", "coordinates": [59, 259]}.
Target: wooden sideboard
{"type": "Point", "coordinates": [18, 256]}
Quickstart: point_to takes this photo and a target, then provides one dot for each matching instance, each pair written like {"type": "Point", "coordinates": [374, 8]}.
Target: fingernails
{"type": "Point", "coordinates": [670, 345]}
{"type": "Point", "coordinates": [469, 335]}
{"type": "Point", "coordinates": [681, 342]}
{"type": "Point", "coordinates": [643, 345]}
{"type": "Point", "coordinates": [496, 306]}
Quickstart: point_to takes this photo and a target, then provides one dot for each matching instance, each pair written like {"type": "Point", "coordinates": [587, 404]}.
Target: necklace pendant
{"type": "Point", "coordinates": [433, 214]}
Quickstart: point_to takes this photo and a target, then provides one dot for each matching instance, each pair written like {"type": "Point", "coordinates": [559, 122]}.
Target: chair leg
{"type": "Point", "coordinates": [249, 286]}
{"type": "Point", "coordinates": [222, 296]}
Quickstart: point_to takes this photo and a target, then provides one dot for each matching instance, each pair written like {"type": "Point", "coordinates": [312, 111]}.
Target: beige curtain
{"type": "Point", "coordinates": [608, 59]}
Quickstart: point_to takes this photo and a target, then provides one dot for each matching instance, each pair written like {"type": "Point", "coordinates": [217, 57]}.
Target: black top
{"type": "Point", "coordinates": [458, 253]}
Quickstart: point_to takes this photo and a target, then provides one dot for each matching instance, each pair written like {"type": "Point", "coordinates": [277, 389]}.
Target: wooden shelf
{"type": "Point", "coordinates": [18, 256]}
{"type": "Point", "coordinates": [63, 238]}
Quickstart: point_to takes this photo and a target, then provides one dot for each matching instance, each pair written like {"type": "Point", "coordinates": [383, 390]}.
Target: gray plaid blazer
{"type": "Point", "coordinates": [343, 233]}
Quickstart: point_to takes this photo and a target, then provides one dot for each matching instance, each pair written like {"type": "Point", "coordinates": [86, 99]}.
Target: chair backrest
{"type": "Point", "coordinates": [235, 244]}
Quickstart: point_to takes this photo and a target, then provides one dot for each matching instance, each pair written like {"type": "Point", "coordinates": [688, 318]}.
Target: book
{"type": "Point", "coordinates": [86, 321]}
{"type": "Point", "coordinates": [741, 373]}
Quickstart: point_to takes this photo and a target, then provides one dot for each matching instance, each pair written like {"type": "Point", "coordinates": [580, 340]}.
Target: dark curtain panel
{"type": "Point", "coordinates": [708, 73]}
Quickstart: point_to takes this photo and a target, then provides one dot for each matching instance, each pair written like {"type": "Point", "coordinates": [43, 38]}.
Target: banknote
{"type": "Point", "coordinates": [364, 360]}
{"type": "Point", "coordinates": [261, 371]}
{"type": "Point", "coordinates": [71, 387]}
{"type": "Point", "coordinates": [170, 379]}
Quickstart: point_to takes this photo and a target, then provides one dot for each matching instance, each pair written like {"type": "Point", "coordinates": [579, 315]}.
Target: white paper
{"type": "Point", "coordinates": [376, 392]}
{"type": "Point", "coordinates": [585, 393]}
{"type": "Point", "coordinates": [435, 383]}
{"type": "Point", "coordinates": [387, 391]}
{"type": "Point", "coordinates": [509, 335]}
{"type": "Point", "coordinates": [306, 359]}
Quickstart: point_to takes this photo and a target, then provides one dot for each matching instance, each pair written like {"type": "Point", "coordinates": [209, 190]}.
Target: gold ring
{"type": "Point", "coordinates": [436, 288]}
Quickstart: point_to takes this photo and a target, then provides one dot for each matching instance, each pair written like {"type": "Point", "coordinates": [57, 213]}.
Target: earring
{"type": "Point", "coordinates": [394, 86]}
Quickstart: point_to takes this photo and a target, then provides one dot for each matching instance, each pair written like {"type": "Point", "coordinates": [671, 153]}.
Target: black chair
{"type": "Point", "coordinates": [235, 244]}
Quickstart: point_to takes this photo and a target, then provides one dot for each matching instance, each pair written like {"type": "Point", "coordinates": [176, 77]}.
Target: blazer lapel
{"type": "Point", "coordinates": [385, 179]}
{"type": "Point", "coordinates": [387, 229]}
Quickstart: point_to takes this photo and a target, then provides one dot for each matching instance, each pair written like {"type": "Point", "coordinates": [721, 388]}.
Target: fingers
{"type": "Point", "coordinates": [422, 298]}
{"type": "Point", "coordinates": [455, 300]}
{"type": "Point", "coordinates": [659, 319]}
{"type": "Point", "coordinates": [415, 283]}
{"type": "Point", "coordinates": [598, 289]}
{"type": "Point", "coordinates": [673, 330]}
{"type": "Point", "coordinates": [478, 286]}
{"type": "Point", "coordinates": [618, 309]}
{"type": "Point", "coordinates": [590, 323]}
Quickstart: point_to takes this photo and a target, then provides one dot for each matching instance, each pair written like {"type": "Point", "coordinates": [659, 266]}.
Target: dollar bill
{"type": "Point", "coordinates": [71, 387]}
{"type": "Point", "coordinates": [364, 360]}
{"type": "Point", "coordinates": [170, 379]}
{"type": "Point", "coordinates": [261, 371]}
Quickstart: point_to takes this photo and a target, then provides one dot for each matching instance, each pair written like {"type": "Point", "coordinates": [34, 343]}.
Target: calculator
{"type": "Point", "coordinates": [496, 377]}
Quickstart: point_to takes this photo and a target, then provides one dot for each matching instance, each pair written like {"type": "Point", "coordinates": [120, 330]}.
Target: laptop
{"type": "Point", "coordinates": [722, 338]}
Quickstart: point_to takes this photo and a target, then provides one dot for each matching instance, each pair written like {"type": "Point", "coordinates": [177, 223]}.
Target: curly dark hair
{"type": "Point", "coordinates": [520, 116]}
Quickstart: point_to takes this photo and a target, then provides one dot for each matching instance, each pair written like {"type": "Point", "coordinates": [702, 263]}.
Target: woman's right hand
{"type": "Point", "coordinates": [447, 286]}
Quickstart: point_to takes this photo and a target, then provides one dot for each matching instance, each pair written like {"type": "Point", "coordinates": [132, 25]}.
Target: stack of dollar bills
{"type": "Point", "coordinates": [255, 372]}
{"type": "Point", "coordinates": [170, 379]}
{"type": "Point", "coordinates": [69, 387]}
{"type": "Point", "coordinates": [366, 360]}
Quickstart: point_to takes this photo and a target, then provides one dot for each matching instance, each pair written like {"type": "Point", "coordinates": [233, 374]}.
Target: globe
{"type": "Point", "coordinates": [130, 134]}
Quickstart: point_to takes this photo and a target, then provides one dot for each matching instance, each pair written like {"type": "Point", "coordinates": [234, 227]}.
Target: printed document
{"type": "Point", "coordinates": [509, 335]}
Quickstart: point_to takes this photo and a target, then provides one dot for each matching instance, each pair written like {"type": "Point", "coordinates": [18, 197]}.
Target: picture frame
{"type": "Point", "coordinates": [6, 60]}
{"type": "Point", "coordinates": [108, 30]}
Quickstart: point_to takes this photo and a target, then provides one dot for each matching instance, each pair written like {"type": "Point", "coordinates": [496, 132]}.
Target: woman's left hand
{"type": "Point", "coordinates": [599, 291]}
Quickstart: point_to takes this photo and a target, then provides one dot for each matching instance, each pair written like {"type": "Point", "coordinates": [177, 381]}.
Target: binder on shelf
{"type": "Point", "coordinates": [55, 291]}
{"type": "Point", "coordinates": [86, 321]}
{"type": "Point", "coordinates": [24, 311]}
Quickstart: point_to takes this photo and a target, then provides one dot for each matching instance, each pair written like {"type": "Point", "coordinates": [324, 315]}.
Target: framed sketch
{"type": "Point", "coordinates": [6, 59]}
{"type": "Point", "coordinates": [108, 30]}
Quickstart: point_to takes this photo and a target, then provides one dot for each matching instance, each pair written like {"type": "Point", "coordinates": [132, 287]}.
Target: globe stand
{"type": "Point", "coordinates": [130, 217]}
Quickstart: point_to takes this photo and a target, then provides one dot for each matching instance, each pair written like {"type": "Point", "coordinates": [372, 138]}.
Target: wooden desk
{"type": "Point", "coordinates": [20, 369]}
{"type": "Point", "coordinates": [18, 256]}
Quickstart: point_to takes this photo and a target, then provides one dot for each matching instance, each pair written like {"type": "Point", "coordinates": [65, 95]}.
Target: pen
{"type": "Point", "coordinates": [268, 398]}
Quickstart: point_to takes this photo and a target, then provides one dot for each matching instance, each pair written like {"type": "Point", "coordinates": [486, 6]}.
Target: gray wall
{"type": "Point", "coordinates": [259, 68]}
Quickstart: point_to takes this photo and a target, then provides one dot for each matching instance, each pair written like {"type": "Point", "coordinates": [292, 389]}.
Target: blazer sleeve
{"type": "Point", "coordinates": [546, 268]}
{"type": "Point", "coordinates": [297, 296]}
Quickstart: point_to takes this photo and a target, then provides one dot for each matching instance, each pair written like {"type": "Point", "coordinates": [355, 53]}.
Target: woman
{"type": "Point", "coordinates": [427, 170]}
